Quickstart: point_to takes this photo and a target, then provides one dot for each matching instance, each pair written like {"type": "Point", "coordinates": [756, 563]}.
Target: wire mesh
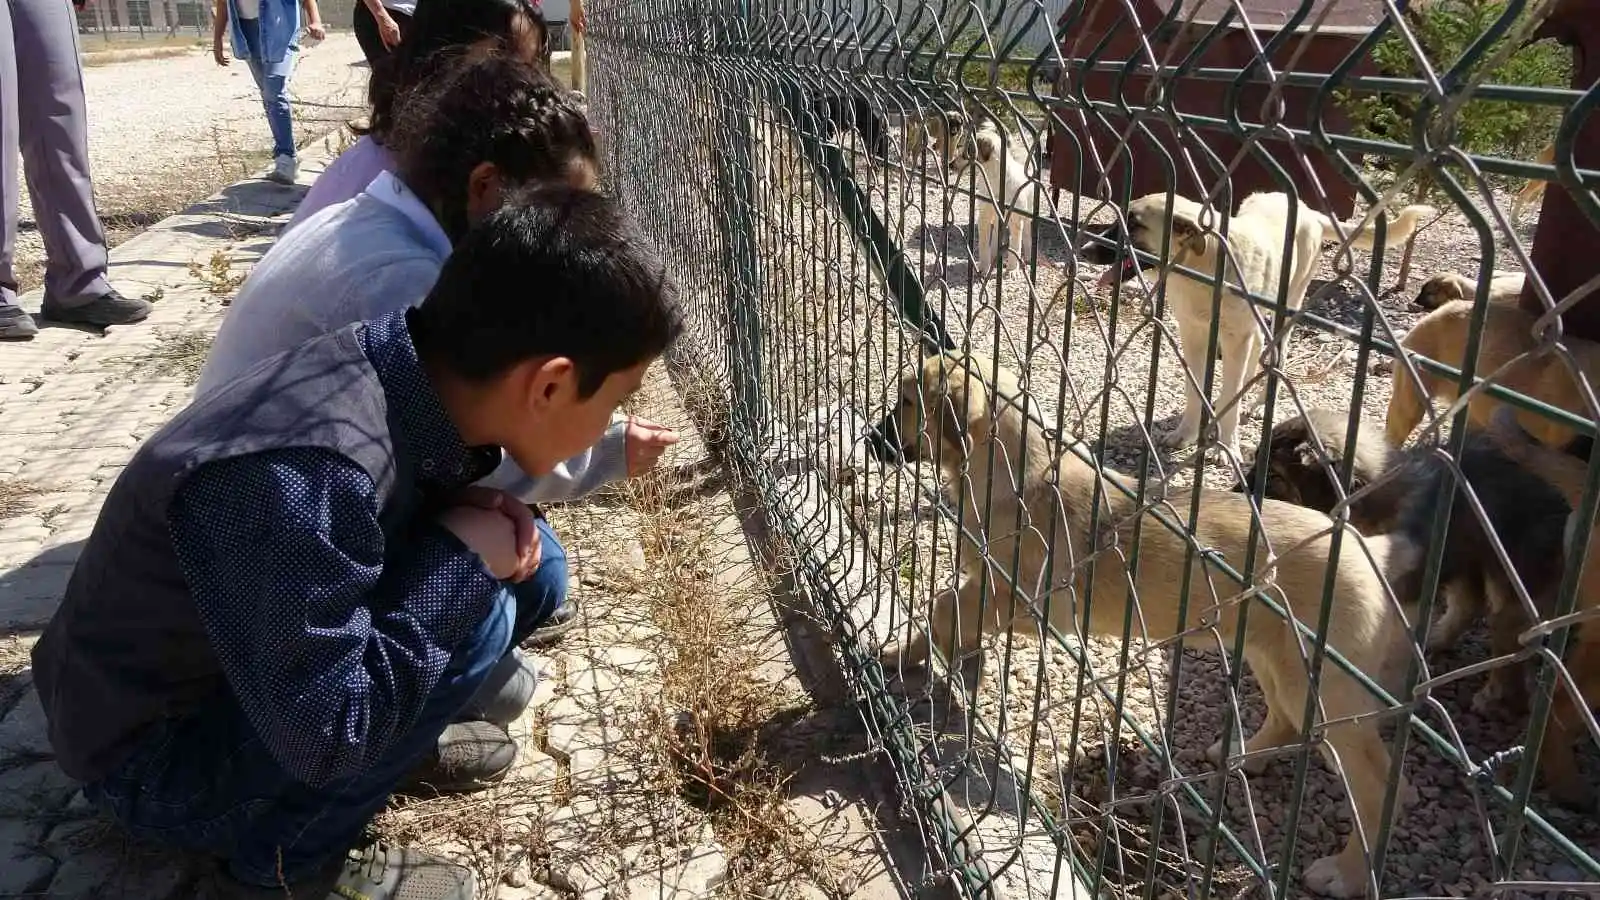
{"type": "Point", "coordinates": [1065, 368]}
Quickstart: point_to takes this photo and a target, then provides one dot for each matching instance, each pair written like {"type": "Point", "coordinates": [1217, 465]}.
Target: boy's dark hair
{"type": "Point", "coordinates": [556, 271]}
{"type": "Point", "coordinates": [443, 25]}
{"type": "Point", "coordinates": [486, 106]}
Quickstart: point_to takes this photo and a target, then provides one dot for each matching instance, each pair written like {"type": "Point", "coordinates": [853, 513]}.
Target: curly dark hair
{"type": "Point", "coordinates": [486, 105]}
{"type": "Point", "coordinates": [443, 25]}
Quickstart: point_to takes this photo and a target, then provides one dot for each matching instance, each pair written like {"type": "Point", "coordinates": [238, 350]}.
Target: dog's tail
{"type": "Point", "coordinates": [1401, 228]}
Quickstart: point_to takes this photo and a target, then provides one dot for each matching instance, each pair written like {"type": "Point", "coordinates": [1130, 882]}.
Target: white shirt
{"type": "Point", "coordinates": [248, 9]}
{"type": "Point", "coordinates": [408, 7]}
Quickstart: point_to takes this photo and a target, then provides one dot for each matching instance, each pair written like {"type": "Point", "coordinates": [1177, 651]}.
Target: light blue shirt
{"type": "Point", "coordinates": [369, 256]}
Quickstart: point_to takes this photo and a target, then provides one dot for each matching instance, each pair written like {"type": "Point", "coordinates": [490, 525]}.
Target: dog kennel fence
{"type": "Point", "coordinates": [815, 276]}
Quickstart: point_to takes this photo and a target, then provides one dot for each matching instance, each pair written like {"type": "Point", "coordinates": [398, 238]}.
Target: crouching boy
{"type": "Point", "coordinates": [292, 589]}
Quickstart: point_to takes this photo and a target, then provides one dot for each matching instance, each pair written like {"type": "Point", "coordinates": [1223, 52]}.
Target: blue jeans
{"type": "Point", "coordinates": [272, 80]}
{"type": "Point", "coordinates": [206, 783]}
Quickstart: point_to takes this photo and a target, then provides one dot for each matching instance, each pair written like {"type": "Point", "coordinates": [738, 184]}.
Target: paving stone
{"type": "Point", "coordinates": [697, 876]}
{"type": "Point", "coordinates": [24, 869]}
{"type": "Point", "coordinates": [32, 789]}
{"type": "Point", "coordinates": [535, 766]}
{"type": "Point", "coordinates": [632, 660]}
{"type": "Point", "coordinates": [30, 594]}
{"type": "Point", "coordinates": [65, 471]}
{"type": "Point", "coordinates": [23, 730]}
{"type": "Point", "coordinates": [98, 862]}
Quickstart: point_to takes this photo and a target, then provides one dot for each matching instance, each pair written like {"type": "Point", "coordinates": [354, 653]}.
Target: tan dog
{"type": "Point", "coordinates": [1014, 493]}
{"type": "Point", "coordinates": [1507, 334]}
{"type": "Point", "coordinates": [1259, 239]}
{"type": "Point", "coordinates": [1007, 192]}
{"type": "Point", "coordinates": [1557, 763]}
{"type": "Point", "coordinates": [1533, 192]}
{"type": "Point", "coordinates": [1504, 287]}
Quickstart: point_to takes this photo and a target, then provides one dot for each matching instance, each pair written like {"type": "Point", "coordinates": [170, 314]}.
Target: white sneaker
{"type": "Point", "coordinates": [285, 169]}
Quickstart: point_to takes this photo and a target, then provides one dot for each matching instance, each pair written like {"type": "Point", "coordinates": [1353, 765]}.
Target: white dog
{"type": "Point", "coordinates": [1008, 191]}
{"type": "Point", "coordinates": [1258, 238]}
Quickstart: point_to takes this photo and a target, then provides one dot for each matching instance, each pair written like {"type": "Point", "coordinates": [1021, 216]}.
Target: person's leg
{"type": "Point", "coordinates": [207, 783]}
{"type": "Point", "coordinates": [55, 158]}
{"type": "Point", "coordinates": [14, 323]}
{"type": "Point", "coordinates": [275, 96]}
{"type": "Point", "coordinates": [366, 29]}
{"type": "Point", "coordinates": [505, 694]}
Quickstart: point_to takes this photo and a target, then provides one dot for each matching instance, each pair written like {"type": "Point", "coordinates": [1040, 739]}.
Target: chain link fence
{"type": "Point", "coordinates": [944, 278]}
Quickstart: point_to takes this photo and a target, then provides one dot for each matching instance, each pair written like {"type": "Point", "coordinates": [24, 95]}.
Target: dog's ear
{"type": "Point", "coordinates": [1186, 232]}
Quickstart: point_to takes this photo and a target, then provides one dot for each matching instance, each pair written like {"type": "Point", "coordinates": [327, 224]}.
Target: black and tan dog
{"type": "Point", "coordinates": [1028, 511]}
{"type": "Point", "coordinates": [1396, 491]}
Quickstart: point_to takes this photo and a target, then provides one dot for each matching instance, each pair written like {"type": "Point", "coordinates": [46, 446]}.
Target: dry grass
{"type": "Point", "coordinates": [14, 496]}
{"type": "Point", "coordinates": [718, 726]}
{"type": "Point", "coordinates": [177, 354]}
{"type": "Point", "coordinates": [165, 49]}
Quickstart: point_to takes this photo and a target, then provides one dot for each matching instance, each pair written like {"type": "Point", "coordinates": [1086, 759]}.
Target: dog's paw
{"type": "Point", "coordinates": [900, 656]}
{"type": "Point", "coordinates": [1329, 877]}
{"type": "Point", "coordinates": [1501, 695]}
{"type": "Point", "coordinates": [1179, 437]}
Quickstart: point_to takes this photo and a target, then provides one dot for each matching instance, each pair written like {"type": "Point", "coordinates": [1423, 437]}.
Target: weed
{"type": "Point", "coordinates": [218, 275]}
{"type": "Point", "coordinates": [154, 295]}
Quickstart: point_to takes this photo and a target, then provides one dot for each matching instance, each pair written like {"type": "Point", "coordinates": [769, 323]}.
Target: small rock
{"type": "Point", "coordinates": [632, 556]}
{"type": "Point", "coordinates": [514, 877]}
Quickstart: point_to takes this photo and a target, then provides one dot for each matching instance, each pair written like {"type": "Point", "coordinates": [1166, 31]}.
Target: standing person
{"type": "Point", "coordinates": [266, 35]}
{"type": "Point", "coordinates": [380, 27]}
{"type": "Point", "coordinates": [516, 26]}
{"type": "Point", "coordinates": [42, 118]}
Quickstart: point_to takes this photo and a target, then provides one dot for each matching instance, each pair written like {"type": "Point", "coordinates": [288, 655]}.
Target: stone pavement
{"type": "Point", "coordinates": [599, 805]}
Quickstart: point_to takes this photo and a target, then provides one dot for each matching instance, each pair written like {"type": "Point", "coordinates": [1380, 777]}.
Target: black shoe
{"type": "Point", "coordinates": [110, 308]}
{"type": "Point", "coordinates": [559, 623]}
{"type": "Point", "coordinates": [15, 323]}
{"type": "Point", "coordinates": [469, 757]}
{"type": "Point", "coordinates": [373, 871]}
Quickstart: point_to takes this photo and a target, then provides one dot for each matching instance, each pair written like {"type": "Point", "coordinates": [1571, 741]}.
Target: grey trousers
{"type": "Point", "coordinates": [42, 117]}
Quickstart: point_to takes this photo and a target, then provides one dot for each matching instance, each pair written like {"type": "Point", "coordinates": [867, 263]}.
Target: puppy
{"type": "Point", "coordinates": [1533, 192]}
{"type": "Point", "coordinates": [1396, 491]}
{"type": "Point", "coordinates": [1253, 255]}
{"type": "Point", "coordinates": [1557, 763]}
{"type": "Point", "coordinates": [833, 114]}
{"type": "Point", "coordinates": [1007, 194]}
{"type": "Point", "coordinates": [1504, 287]}
{"type": "Point", "coordinates": [1506, 336]}
{"type": "Point", "coordinates": [938, 132]}
{"type": "Point", "coordinates": [1021, 503]}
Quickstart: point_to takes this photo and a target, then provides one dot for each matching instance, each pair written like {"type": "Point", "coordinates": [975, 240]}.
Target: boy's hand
{"type": "Point", "coordinates": [644, 442]}
{"type": "Point", "coordinates": [478, 506]}
{"type": "Point", "coordinates": [316, 31]}
{"type": "Point", "coordinates": [218, 52]}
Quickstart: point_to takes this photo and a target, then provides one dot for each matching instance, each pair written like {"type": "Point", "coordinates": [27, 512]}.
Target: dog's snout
{"type": "Point", "coordinates": [1105, 250]}
{"type": "Point", "coordinates": [884, 440]}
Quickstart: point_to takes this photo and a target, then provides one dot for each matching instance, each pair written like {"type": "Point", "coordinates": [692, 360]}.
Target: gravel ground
{"type": "Point", "coordinates": [831, 336]}
{"type": "Point", "coordinates": [167, 132]}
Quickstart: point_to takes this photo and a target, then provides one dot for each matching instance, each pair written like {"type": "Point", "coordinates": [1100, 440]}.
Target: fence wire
{"type": "Point", "coordinates": [944, 282]}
